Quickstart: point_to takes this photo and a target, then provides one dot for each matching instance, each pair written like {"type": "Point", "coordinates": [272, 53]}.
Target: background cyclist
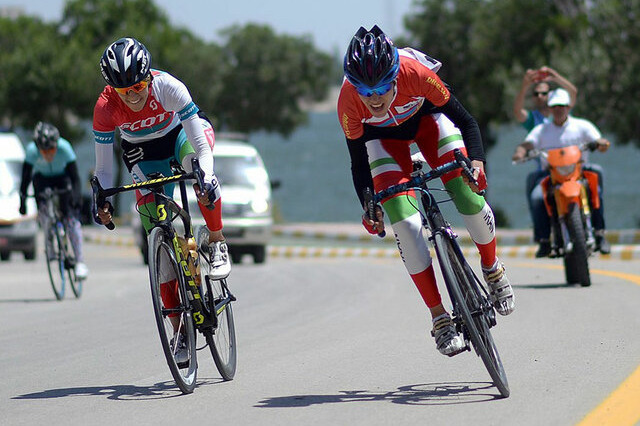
{"type": "Point", "coordinates": [389, 99]}
{"type": "Point", "coordinates": [51, 163]}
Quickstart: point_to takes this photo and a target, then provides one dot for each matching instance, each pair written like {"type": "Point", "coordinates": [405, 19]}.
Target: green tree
{"type": "Point", "coordinates": [267, 76]}
{"type": "Point", "coordinates": [486, 45]}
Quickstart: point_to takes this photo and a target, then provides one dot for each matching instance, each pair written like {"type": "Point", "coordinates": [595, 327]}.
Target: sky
{"type": "Point", "coordinates": [330, 23]}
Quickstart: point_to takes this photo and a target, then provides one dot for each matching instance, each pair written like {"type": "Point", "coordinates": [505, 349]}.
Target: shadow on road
{"type": "Point", "coordinates": [52, 299]}
{"type": "Point", "coordinates": [160, 390]}
{"type": "Point", "coordinates": [546, 286]}
{"type": "Point", "coordinates": [418, 394]}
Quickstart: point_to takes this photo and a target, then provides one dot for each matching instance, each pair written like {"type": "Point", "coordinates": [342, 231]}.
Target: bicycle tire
{"type": "Point", "coordinates": [55, 261]}
{"type": "Point", "coordinates": [222, 339]}
{"type": "Point", "coordinates": [162, 267]}
{"type": "Point", "coordinates": [70, 263]}
{"type": "Point", "coordinates": [576, 263]}
{"type": "Point", "coordinates": [472, 307]}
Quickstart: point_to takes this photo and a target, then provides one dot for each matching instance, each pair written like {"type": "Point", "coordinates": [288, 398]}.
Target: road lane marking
{"type": "Point", "coordinates": [621, 406]}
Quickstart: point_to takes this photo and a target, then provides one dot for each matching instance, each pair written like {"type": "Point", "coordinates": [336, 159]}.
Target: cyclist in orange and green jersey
{"type": "Point", "coordinates": [391, 98]}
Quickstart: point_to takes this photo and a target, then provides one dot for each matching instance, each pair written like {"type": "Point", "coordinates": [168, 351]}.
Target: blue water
{"type": "Point", "coordinates": [314, 171]}
{"type": "Point", "coordinates": [313, 168]}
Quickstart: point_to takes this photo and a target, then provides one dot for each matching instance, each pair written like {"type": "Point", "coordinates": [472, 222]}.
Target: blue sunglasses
{"type": "Point", "coordinates": [368, 92]}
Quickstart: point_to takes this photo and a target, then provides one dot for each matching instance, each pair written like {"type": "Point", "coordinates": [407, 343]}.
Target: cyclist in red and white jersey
{"type": "Point", "coordinates": [391, 98]}
{"type": "Point", "coordinates": [158, 122]}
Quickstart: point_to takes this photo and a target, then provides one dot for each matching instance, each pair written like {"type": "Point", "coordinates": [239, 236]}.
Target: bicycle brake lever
{"type": "Point", "coordinates": [467, 169]}
{"type": "Point", "coordinates": [371, 211]}
{"type": "Point", "coordinates": [98, 202]}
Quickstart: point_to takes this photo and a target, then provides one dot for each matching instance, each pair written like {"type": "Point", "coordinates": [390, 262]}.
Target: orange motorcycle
{"type": "Point", "coordinates": [569, 195]}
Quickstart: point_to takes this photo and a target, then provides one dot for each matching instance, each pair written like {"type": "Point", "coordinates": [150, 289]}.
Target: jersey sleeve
{"type": "Point", "coordinates": [69, 155]}
{"type": "Point", "coordinates": [174, 96]}
{"type": "Point", "coordinates": [420, 80]}
{"type": "Point", "coordinates": [350, 119]}
{"type": "Point", "coordinates": [31, 153]}
{"type": "Point", "coordinates": [104, 136]}
{"type": "Point", "coordinates": [591, 131]}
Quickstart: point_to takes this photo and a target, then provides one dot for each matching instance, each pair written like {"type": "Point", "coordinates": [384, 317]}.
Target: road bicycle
{"type": "Point", "coordinates": [59, 254]}
{"type": "Point", "coordinates": [204, 303]}
{"type": "Point", "coordinates": [473, 312]}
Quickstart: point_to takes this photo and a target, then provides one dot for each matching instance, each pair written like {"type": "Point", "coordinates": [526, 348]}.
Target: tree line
{"type": "Point", "coordinates": [258, 79]}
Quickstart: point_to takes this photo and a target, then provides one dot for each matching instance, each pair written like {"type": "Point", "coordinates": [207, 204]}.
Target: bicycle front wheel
{"type": "Point", "coordinates": [55, 260]}
{"type": "Point", "coordinates": [222, 340]}
{"type": "Point", "coordinates": [471, 305]}
{"type": "Point", "coordinates": [172, 312]}
{"type": "Point", "coordinates": [217, 301]}
{"type": "Point", "coordinates": [70, 260]}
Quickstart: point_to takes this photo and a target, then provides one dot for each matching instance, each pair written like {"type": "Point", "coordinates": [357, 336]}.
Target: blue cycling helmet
{"type": "Point", "coordinates": [371, 59]}
{"type": "Point", "coordinates": [125, 62]}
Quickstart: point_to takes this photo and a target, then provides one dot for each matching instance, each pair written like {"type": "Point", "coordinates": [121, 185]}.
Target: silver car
{"type": "Point", "coordinates": [246, 201]}
{"type": "Point", "coordinates": [17, 233]}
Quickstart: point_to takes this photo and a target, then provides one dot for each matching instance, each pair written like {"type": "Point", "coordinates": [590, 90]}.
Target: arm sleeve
{"type": "Point", "coordinates": [468, 126]}
{"type": "Point", "coordinates": [360, 171]}
{"type": "Point", "coordinates": [196, 136]}
{"type": "Point", "coordinates": [27, 169]}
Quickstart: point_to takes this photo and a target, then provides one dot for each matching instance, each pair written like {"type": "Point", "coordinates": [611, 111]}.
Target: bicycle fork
{"type": "Point", "coordinates": [200, 319]}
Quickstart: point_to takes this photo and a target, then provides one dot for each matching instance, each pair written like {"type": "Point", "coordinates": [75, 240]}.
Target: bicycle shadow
{"type": "Point", "coordinates": [417, 394]}
{"type": "Point", "coordinates": [546, 286]}
{"type": "Point", "coordinates": [38, 300]}
{"type": "Point", "coordinates": [161, 390]}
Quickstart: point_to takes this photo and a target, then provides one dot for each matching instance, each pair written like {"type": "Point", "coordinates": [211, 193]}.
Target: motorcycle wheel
{"type": "Point", "coordinates": [576, 263]}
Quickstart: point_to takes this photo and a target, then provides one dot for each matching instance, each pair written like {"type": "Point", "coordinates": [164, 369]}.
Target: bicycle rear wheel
{"type": "Point", "coordinates": [55, 260]}
{"type": "Point", "coordinates": [217, 301]}
{"type": "Point", "coordinates": [471, 305]}
{"type": "Point", "coordinates": [171, 320]}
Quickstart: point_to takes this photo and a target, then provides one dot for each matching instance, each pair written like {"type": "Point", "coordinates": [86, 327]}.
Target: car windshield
{"type": "Point", "coordinates": [239, 171]}
{"type": "Point", "coordinates": [10, 171]}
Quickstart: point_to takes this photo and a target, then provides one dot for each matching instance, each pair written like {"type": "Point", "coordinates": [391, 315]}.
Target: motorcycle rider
{"type": "Point", "coordinates": [563, 130]}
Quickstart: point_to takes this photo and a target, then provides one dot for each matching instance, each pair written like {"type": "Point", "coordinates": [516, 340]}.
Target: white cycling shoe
{"type": "Point", "coordinates": [448, 341]}
{"type": "Point", "coordinates": [500, 288]}
{"type": "Point", "coordinates": [82, 272]}
{"type": "Point", "coordinates": [220, 264]}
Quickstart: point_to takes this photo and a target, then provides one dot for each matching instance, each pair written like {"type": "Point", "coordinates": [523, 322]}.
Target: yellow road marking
{"type": "Point", "coordinates": [621, 406]}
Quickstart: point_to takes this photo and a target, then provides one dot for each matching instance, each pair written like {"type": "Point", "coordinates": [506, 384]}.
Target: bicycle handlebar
{"type": "Point", "coordinates": [371, 208]}
{"type": "Point", "coordinates": [100, 194]}
{"type": "Point", "coordinates": [461, 162]}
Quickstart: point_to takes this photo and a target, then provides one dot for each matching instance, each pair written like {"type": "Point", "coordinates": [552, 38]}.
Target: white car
{"type": "Point", "coordinates": [17, 232]}
{"type": "Point", "coordinates": [246, 201]}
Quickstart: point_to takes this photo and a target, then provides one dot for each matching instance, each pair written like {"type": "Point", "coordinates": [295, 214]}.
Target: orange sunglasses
{"type": "Point", "coordinates": [138, 87]}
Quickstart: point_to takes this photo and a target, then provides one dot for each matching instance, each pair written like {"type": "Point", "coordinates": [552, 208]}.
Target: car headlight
{"type": "Point", "coordinates": [259, 205]}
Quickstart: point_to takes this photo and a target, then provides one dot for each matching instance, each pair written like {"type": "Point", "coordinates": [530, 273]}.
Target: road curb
{"type": "Point", "coordinates": [618, 252]}
{"type": "Point", "coordinates": [520, 250]}
{"type": "Point", "coordinates": [505, 237]}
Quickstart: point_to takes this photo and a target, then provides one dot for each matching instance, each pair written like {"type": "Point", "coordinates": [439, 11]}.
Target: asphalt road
{"type": "Point", "coordinates": [321, 341]}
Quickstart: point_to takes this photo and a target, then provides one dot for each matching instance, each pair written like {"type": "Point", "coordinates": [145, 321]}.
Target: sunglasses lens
{"type": "Point", "coordinates": [367, 92]}
{"type": "Point", "coordinates": [138, 87]}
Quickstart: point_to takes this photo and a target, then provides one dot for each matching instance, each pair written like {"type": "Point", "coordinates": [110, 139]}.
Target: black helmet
{"type": "Point", "coordinates": [371, 59]}
{"type": "Point", "coordinates": [125, 62]}
{"type": "Point", "coordinates": [46, 135]}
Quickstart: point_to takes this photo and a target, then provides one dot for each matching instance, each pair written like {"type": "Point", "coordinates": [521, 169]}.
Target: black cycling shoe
{"type": "Point", "coordinates": [544, 249]}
